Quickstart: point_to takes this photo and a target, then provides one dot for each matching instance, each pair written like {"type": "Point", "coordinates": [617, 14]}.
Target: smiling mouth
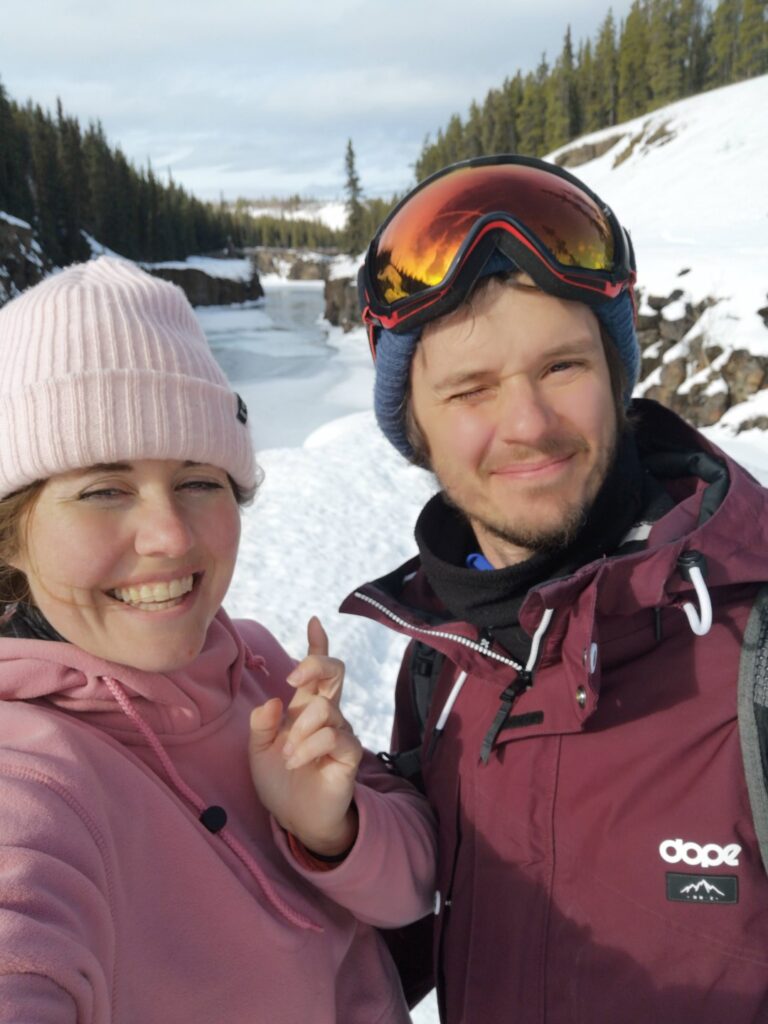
{"type": "Point", "coordinates": [155, 597]}
{"type": "Point", "coordinates": [533, 469]}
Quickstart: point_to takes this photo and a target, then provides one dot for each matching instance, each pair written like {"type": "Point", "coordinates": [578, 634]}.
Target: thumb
{"type": "Point", "coordinates": [265, 723]}
{"type": "Point", "coordinates": [317, 638]}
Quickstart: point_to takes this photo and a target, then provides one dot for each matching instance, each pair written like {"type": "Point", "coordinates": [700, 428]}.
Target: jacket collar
{"type": "Point", "coordinates": [719, 511]}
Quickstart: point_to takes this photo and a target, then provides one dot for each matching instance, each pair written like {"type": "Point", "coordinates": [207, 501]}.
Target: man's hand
{"type": "Point", "coordinates": [304, 761]}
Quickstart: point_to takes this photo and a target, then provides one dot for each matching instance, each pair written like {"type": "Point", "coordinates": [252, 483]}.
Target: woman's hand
{"type": "Point", "coordinates": [304, 761]}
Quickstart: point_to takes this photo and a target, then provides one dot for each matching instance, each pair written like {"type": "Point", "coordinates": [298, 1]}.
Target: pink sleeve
{"type": "Point", "coordinates": [387, 879]}
{"type": "Point", "coordinates": [33, 998]}
{"type": "Point", "coordinates": [56, 932]}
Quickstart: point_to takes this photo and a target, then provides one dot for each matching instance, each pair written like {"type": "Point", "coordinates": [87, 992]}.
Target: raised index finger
{"type": "Point", "coordinates": [317, 638]}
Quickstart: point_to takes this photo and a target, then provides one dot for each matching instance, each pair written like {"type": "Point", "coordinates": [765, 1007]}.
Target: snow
{"type": "Point", "coordinates": [15, 221]}
{"type": "Point", "coordinates": [345, 266]}
{"type": "Point", "coordinates": [696, 205]}
{"type": "Point", "coordinates": [232, 269]}
{"type": "Point", "coordinates": [332, 213]}
{"type": "Point", "coordinates": [97, 249]}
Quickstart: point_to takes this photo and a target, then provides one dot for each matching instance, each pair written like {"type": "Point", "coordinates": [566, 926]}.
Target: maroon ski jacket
{"type": "Point", "coordinates": [599, 864]}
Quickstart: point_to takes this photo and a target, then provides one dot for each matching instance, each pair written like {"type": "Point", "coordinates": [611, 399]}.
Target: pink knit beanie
{"type": "Point", "coordinates": [102, 363]}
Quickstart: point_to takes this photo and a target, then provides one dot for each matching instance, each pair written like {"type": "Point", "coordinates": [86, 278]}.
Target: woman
{"type": "Point", "coordinates": [160, 858]}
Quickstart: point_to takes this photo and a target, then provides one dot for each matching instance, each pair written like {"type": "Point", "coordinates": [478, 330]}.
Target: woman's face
{"type": "Point", "coordinates": [131, 561]}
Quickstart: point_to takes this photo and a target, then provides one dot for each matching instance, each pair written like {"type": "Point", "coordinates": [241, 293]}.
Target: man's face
{"type": "Point", "coordinates": [512, 394]}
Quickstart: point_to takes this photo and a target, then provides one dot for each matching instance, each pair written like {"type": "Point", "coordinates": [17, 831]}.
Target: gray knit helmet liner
{"type": "Point", "coordinates": [394, 353]}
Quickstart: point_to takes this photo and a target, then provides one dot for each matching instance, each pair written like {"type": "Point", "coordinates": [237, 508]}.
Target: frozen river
{"type": "Point", "coordinates": [292, 371]}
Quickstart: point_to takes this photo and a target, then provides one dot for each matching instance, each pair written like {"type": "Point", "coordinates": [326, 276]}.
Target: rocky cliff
{"type": "Point", "coordinates": [687, 370]}
{"type": "Point", "coordinates": [206, 290]}
{"type": "Point", "coordinates": [21, 259]}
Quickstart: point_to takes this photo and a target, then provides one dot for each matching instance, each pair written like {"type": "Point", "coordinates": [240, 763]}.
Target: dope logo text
{"type": "Point", "coordinates": [675, 851]}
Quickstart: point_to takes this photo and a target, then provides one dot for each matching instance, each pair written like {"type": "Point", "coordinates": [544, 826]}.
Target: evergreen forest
{"type": "Point", "coordinates": [664, 50]}
{"type": "Point", "coordinates": [64, 181]}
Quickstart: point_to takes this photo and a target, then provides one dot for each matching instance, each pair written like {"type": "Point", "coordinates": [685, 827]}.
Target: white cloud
{"type": "Point", "coordinates": [237, 94]}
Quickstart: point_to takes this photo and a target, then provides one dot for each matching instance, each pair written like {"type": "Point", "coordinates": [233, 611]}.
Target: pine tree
{"type": "Point", "coordinates": [506, 138]}
{"type": "Point", "coordinates": [752, 52]}
{"type": "Point", "coordinates": [72, 193]}
{"type": "Point", "coordinates": [561, 121]}
{"type": "Point", "coordinates": [606, 73]}
{"type": "Point", "coordinates": [690, 48]}
{"type": "Point", "coordinates": [533, 111]}
{"type": "Point", "coordinates": [355, 237]}
{"type": "Point", "coordinates": [586, 86]}
{"type": "Point", "coordinates": [725, 42]}
{"type": "Point", "coordinates": [15, 195]}
{"type": "Point", "coordinates": [634, 80]}
{"type": "Point", "coordinates": [664, 65]}
{"type": "Point", "coordinates": [473, 133]}
{"type": "Point", "coordinates": [44, 170]}
{"type": "Point", "coordinates": [453, 141]}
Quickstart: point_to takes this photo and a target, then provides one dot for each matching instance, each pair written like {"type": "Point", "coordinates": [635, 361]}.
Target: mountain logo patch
{"type": "Point", "coordinates": [702, 888]}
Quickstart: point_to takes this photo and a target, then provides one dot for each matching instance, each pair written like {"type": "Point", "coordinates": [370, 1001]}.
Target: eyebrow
{"type": "Point", "coordinates": [107, 467]}
{"type": "Point", "coordinates": [578, 345]}
{"type": "Point", "coordinates": [123, 467]}
{"type": "Point", "coordinates": [457, 380]}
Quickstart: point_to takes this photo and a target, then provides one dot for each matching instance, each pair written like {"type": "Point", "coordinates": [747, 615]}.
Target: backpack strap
{"type": "Point", "coordinates": [753, 715]}
{"type": "Point", "coordinates": [424, 671]}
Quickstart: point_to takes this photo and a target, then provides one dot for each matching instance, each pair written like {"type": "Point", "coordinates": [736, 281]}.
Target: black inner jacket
{"type": "Point", "coordinates": [491, 599]}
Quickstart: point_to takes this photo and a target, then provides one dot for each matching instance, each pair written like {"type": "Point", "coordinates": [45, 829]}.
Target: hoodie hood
{"type": "Point", "coordinates": [175, 704]}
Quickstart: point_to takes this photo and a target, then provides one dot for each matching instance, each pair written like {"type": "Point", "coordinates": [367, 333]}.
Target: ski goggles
{"type": "Point", "coordinates": [432, 248]}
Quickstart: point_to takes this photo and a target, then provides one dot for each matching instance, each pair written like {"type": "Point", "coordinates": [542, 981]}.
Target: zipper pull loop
{"type": "Point", "coordinates": [508, 697]}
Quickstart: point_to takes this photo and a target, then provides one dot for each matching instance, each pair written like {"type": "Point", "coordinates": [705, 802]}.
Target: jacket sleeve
{"type": "Point", "coordinates": [387, 879]}
{"type": "Point", "coordinates": [56, 934]}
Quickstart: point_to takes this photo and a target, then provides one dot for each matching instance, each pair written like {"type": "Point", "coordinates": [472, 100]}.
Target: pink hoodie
{"type": "Point", "coordinates": [117, 906]}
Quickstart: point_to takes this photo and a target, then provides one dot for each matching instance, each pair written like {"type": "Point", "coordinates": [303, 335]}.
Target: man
{"type": "Point", "coordinates": [586, 575]}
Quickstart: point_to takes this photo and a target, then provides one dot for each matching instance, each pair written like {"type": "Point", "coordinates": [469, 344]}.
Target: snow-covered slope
{"type": "Point", "coordinates": [690, 182]}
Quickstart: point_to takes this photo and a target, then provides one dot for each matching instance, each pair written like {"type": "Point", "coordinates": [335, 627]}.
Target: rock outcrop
{"type": "Point", "coordinates": [294, 264]}
{"type": "Point", "coordinates": [685, 369]}
{"type": "Point", "coordinates": [205, 290]}
{"type": "Point", "coordinates": [341, 306]}
{"type": "Point", "coordinates": [21, 259]}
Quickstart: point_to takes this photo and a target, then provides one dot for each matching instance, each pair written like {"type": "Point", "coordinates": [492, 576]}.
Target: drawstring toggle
{"type": "Point", "coordinates": [692, 566]}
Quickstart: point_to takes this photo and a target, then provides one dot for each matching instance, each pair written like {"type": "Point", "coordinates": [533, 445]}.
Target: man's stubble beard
{"type": "Point", "coordinates": [539, 538]}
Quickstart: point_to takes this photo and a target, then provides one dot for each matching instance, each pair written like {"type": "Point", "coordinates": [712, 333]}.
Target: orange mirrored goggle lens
{"type": "Point", "coordinates": [418, 246]}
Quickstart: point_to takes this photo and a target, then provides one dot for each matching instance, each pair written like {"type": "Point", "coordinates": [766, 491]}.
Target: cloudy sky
{"type": "Point", "coordinates": [257, 98]}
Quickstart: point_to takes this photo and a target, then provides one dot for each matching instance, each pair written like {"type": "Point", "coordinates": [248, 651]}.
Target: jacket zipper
{"type": "Point", "coordinates": [473, 645]}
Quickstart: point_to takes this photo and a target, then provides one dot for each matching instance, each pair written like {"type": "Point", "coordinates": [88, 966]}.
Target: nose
{"type": "Point", "coordinates": [525, 414]}
{"type": "Point", "coordinates": [162, 530]}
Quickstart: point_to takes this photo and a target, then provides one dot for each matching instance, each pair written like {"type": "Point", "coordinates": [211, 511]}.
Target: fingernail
{"type": "Point", "coordinates": [287, 751]}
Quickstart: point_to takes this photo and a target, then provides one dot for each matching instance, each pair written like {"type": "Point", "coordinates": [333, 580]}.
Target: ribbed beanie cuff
{"type": "Point", "coordinates": [103, 363]}
{"type": "Point", "coordinates": [394, 353]}
{"type": "Point", "coordinates": [618, 317]}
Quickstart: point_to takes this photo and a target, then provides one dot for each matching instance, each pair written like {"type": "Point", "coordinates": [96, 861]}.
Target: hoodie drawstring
{"type": "Point", "coordinates": [277, 902]}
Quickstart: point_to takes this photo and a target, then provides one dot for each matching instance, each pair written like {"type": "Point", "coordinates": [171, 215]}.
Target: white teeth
{"type": "Point", "coordinates": [149, 595]}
